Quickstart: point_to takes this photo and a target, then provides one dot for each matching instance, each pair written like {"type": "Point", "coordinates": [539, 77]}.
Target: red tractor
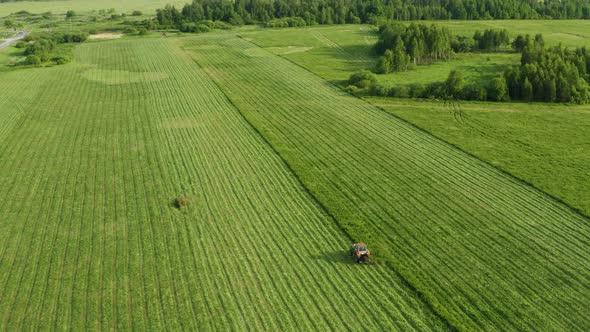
{"type": "Point", "coordinates": [360, 252]}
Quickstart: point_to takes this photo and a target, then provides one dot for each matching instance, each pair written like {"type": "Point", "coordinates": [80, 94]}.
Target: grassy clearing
{"type": "Point", "coordinates": [485, 250]}
{"type": "Point", "coordinates": [545, 145]}
{"type": "Point", "coordinates": [335, 52]}
{"type": "Point", "coordinates": [554, 165]}
{"type": "Point", "coordinates": [90, 237]}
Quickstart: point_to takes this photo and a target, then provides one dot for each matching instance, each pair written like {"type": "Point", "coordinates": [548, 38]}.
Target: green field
{"type": "Point", "coordinates": [544, 144]}
{"type": "Point", "coordinates": [282, 170]}
{"type": "Point", "coordinates": [88, 236]}
{"type": "Point", "coordinates": [485, 250]}
{"type": "Point", "coordinates": [335, 52]}
{"type": "Point", "coordinates": [62, 6]}
{"type": "Point", "coordinates": [553, 136]}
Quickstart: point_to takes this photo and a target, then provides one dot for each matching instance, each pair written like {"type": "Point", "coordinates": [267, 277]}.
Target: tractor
{"type": "Point", "coordinates": [360, 252]}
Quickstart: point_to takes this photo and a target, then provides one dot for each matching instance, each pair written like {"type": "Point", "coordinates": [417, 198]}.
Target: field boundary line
{"type": "Point", "coordinates": [456, 147]}
{"type": "Point", "coordinates": [420, 296]}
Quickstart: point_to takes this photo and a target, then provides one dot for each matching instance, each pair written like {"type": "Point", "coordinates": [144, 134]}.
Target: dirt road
{"type": "Point", "coordinates": [11, 40]}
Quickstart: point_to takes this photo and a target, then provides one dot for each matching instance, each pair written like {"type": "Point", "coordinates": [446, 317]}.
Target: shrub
{"type": "Point", "coordinates": [70, 14]}
{"type": "Point", "coordinates": [454, 84]}
{"type": "Point", "coordinates": [72, 37]}
{"type": "Point", "coordinates": [32, 60]}
{"type": "Point", "coordinates": [474, 92]}
{"type": "Point", "coordinates": [136, 13]}
{"type": "Point", "coordinates": [181, 202]}
{"type": "Point", "coordinates": [20, 44]}
{"type": "Point", "coordinates": [142, 32]}
{"type": "Point", "coordinates": [352, 89]}
{"type": "Point", "coordinates": [129, 31]}
{"type": "Point", "coordinates": [362, 79]}
{"type": "Point", "coordinates": [498, 90]}
{"type": "Point", "coordinates": [8, 23]}
{"type": "Point", "coordinates": [379, 90]}
{"type": "Point", "coordinates": [60, 60]}
{"type": "Point", "coordinates": [417, 90]}
{"type": "Point", "coordinates": [403, 92]}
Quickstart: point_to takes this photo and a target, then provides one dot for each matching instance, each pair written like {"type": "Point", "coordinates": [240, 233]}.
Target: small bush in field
{"type": "Point", "coordinates": [181, 202]}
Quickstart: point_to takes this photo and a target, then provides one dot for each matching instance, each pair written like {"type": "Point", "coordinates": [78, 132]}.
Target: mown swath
{"type": "Point", "coordinates": [487, 251]}
{"type": "Point", "coordinates": [88, 237]}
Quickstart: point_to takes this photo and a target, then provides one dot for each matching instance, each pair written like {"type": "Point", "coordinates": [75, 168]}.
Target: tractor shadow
{"type": "Point", "coordinates": [338, 257]}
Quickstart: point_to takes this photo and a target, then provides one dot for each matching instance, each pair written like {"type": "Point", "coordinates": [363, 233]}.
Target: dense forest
{"type": "Point", "coordinates": [312, 12]}
{"type": "Point", "coordinates": [402, 47]}
{"type": "Point", "coordinates": [554, 74]}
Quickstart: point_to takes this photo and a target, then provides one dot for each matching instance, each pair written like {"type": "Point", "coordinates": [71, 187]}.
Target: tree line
{"type": "Point", "coordinates": [403, 47]}
{"type": "Point", "coordinates": [554, 74]}
{"type": "Point", "coordinates": [238, 12]}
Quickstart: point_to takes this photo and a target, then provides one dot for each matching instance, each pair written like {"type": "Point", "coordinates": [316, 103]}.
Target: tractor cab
{"type": "Point", "coordinates": [360, 252]}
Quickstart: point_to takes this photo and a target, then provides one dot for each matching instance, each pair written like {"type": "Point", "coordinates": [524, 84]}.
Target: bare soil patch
{"type": "Point", "coordinates": [105, 36]}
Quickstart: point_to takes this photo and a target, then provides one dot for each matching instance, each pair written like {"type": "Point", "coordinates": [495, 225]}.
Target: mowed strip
{"type": "Point", "coordinates": [485, 250]}
{"type": "Point", "coordinates": [17, 90]}
{"type": "Point", "coordinates": [89, 239]}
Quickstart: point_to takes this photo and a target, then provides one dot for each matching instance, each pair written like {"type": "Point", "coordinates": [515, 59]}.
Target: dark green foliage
{"type": "Point", "coordinates": [520, 42]}
{"type": "Point", "coordinates": [130, 31]}
{"type": "Point", "coordinates": [40, 48]}
{"type": "Point", "coordinates": [60, 60]}
{"type": "Point", "coordinates": [415, 44]}
{"type": "Point", "coordinates": [362, 79]}
{"type": "Point", "coordinates": [8, 23]}
{"type": "Point", "coordinates": [454, 84]}
{"type": "Point", "coordinates": [136, 13]}
{"type": "Point", "coordinates": [550, 75]}
{"type": "Point", "coordinates": [70, 14]}
{"type": "Point", "coordinates": [491, 40]}
{"type": "Point", "coordinates": [20, 44]}
{"type": "Point", "coordinates": [71, 37]}
{"type": "Point", "coordinates": [194, 27]}
{"type": "Point", "coordinates": [286, 22]}
{"type": "Point", "coordinates": [142, 32]}
{"type": "Point", "coordinates": [474, 92]}
{"type": "Point", "coordinates": [461, 44]}
{"type": "Point", "coordinates": [526, 92]}
{"type": "Point", "coordinates": [32, 60]}
{"type": "Point", "coordinates": [498, 90]}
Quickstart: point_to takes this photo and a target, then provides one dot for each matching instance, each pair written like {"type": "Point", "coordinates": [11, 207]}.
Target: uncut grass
{"type": "Point", "coordinates": [517, 143]}
{"type": "Point", "coordinates": [88, 239]}
{"type": "Point", "coordinates": [485, 250]}
{"type": "Point", "coordinates": [514, 137]}
{"type": "Point", "coordinates": [62, 6]}
{"type": "Point", "coordinates": [335, 52]}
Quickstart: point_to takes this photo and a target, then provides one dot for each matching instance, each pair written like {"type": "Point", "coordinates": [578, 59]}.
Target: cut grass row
{"type": "Point", "coordinates": [485, 250]}
{"type": "Point", "coordinates": [543, 144]}
{"type": "Point", "coordinates": [88, 239]}
{"type": "Point", "coordinates": [553, 162]}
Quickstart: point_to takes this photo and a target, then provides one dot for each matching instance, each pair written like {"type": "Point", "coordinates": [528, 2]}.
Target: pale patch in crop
{"type": "Point", "coordinates": [114, 77]}
{"type": "Point", "coordinates": [256, 52]}
{"type": "Point", "coordinates": [180, 123]}
{"type": "Point", "coordinates": [289, 49]}
{"type": "Point", "coordinates": [105, 36]}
